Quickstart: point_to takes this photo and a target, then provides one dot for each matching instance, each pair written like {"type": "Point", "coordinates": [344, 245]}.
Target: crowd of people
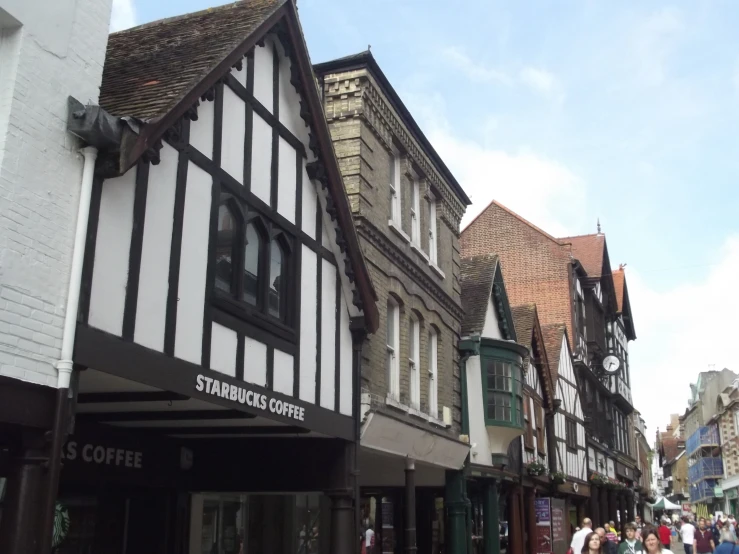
{"type": "Point", "coordinates": [712, 535]}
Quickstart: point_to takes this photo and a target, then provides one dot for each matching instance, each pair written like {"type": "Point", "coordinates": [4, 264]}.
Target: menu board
{"type": "Point", "coordinates": [559, 526]}
{"type": "Point", "coordinates": [543, 509]}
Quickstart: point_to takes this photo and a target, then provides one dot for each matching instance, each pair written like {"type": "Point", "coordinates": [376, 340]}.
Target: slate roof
{"type": "Point", "coordinates": [553, 334]}
{"type": "Point", "coordinates": [589, 251]}
{"type": "Point", "coordinates": [149, 68]}
{"type": "Point", "coordinates": [476, 275]}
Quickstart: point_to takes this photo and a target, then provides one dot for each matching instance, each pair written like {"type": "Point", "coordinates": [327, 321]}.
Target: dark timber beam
{"type": "Point", "coordinates": [168, 415]}
{"type": "Point", "coordinates": [246, 430]}
{"type": "Point", "coordinates": [154, 396]}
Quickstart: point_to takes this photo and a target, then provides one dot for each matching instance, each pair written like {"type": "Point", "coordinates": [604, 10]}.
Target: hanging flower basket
{"type": "Point", "coordinates": [536, 469]}
{"type": "Point", "coordinates": [598, 479]}
{"type": "Point", "coordinates": [558, 477]}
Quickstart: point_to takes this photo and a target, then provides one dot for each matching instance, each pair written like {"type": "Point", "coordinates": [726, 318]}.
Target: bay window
{"type": "Point", "coordinates": [501, 364]}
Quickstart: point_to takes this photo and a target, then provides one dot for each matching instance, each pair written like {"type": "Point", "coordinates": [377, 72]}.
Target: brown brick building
{"type": "Point", "coordinates": [407, 209]}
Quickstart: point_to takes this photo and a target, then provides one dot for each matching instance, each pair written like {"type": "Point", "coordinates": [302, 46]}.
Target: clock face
{"type": "Point", "coordinates": [611, 363]}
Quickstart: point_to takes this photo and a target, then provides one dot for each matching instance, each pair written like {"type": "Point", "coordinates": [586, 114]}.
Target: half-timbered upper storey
{"type": "Point", "coordinates": [494, 367]}
{"type": "Point", "coordinates": [220, 234]}
{"type": "Point", "coordinates": [538, 390]}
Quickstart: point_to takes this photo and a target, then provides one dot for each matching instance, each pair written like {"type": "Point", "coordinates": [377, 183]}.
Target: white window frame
{"type": "Point", "coordinates": [393, 340]}
{"type": "Point", "coordinates": [736, 421]}
{"type": "Point", "coordinates": [433, 236]}
{"type": "Point", "coordinates": [396, 201]}
{"type": "Point", "coordinates": [414, 362]}
{"type": "Point", "coordinates": [415, 212]}
{"type": "Point", "coordinates": [433, 346]}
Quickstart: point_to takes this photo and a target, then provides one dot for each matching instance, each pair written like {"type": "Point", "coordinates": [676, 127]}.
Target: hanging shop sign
{"type": "Point", "coordinates": [718, 492]}
{"type": "Point", "coordinates": [543, 509]}
{"type": "Point", "coordinates": [248, 397]}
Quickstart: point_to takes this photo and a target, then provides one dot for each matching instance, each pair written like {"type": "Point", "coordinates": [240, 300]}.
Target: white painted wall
{"type": "Point", "coordinates": [491, 329]}
{"type": "Point", "coordinates": [328, 336]}
{"type": "Point", "coordinates": [255, 362]}
{"type": "Point", "coordinates": [572, 463]}
{"type": "Point", "coordinates": [48, 51]}
{"type": "Point", "coordinates": [233, 131]}
{"type": "Point", "coordinates": [283, 373]}
{"type": "Point", "coordinates": [308, 335]}
{"type": "Point", "coordinates": [151, 307]}
{"type": "Point", "coordinates": [223, 349]}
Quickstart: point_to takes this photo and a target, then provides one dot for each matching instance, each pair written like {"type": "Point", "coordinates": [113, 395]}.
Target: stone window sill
{"type": "Point", "coordinates": [417, 249]}
{"type": "Point", "coordinates": [436, 269]}
{"type": "Point", "coordinates": [398, 231]}
{"type": "Point", "coordinates": [392, 402]}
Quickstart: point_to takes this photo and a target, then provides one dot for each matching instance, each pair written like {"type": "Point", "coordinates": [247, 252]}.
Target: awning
{"type": "Point", "coordinates": [387, 434]}
{"type": "Point", "coordinates": [664, 504]}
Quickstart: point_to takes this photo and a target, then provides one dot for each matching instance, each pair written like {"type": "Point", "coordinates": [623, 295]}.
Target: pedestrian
{"type": "Point", "coordinates": [630, 544]}
{"type": "Point", "coordinates": [664, 532]}
{"type": "Point", "coordinates": [703, 539]}
{"type": "Point", "coordinates": [652, 542]}
{"type": "Point", "coordinates": [578, 539]}
{"type": "Point", "coordinates": [687, 535]}
{"type": "Point", "coordinates": [593, 544]}
{"type": "Point", "coordinates": [608, 547]}
{"type": "Point", "coordinates": [728, 543]}
{"type": "Point", "coordinates": [716, 529]}
{"type": "Point", "coordinates": [611, 532]}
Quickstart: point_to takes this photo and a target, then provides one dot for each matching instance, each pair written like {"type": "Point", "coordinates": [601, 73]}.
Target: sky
{"type": "Point", "coordinates": [569, 112]}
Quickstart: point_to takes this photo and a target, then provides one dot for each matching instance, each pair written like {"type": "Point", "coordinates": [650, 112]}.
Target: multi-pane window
{"type": "Point", "coordinates": [414, 338]}
{"type": "Point", "coordinates": [251, 273]}
{"type": "Point", "coordinates": [503, 388]}
{"type": "Point", "coordinates": [415, 213]}
{"type": "Point", "coordinates": [395, 192]}
{"type": "Point", "coordinates": [393, 339]}
{"type": "Point", "coordinates": [432, 230]}
{"type": "Point", "coordinates": [571, 433]}
{"type": "Point", "coordinates": [433, 373]}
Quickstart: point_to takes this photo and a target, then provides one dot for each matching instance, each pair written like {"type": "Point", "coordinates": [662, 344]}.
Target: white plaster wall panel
{"type": "Point", "coordinates": [255, 362]}
{"type": "Point", "coordinates": [346, 380]}
{"type": "Point", "coordinates": [110, 270]}
{"type": "Point", "coordinates": [223, 343]}
{"type": "Point", "coordinates": [480, 451]}
{"type": "Point", "coordinates": [263, 77]}
{"type": "Point", "coordinates": [286, 180]}
{"type": "Point", "coordinates": [308, 337]}
{"type": "Point", "coordinates": [240, 76]}
{"type": "Point", "coordinates": [233, 133]}
{"type": "Point", "coordinates": [58, 51]}
{"type": "Point", "coordinates": [283, 374]}
{"type": "Point", "coordinates": [328, 335]}
{"type": "Point", "coordinates": [289, 99]}
{"type": "Point", "coordinates": [310, 205]}
{"type": "Point", "coordinates": [201, 131]}
{"type": "Point", "coordinates": [193, 263]}
{"type": "Point", "coordinates": [151, 307]}
{"type": "Point", "coordinates": [491, 329]}
{"type": "Point", "coordinates": [261, 158]}
{"type": "Point", "coordinates": [326, 238]}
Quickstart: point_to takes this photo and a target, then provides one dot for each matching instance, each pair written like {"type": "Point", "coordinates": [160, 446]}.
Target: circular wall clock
{"type": "Point", "coordinates": [611, 363]}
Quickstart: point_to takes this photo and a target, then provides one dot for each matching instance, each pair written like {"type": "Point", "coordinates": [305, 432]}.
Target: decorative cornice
{"type": "Point", "coordinates": [383, 121]}
{"type": "Point", "coordinates": [400, 259]}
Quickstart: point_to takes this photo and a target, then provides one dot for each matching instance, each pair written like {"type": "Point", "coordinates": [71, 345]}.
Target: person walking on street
{"type": "Point", "coordinates": [578, 539]}
{"type": "Point", "coordinates": [687, 535]}
{"type": "Point", "coordinates": [592, 544]}
{"type": "Point", "coordinates": [703, 539]}
{"type": "Point", "coordinates": [629, 544]}
{"type": "Point", "coordinates": [652, 542]}
{"type": "Point", "coordinates": [611, 532]}
{"type": "Point", "coordinates": [728, 542]}
{"type": "Point", "coordinates": [608, 547]}
{"type": "Point", "coordinates": [665, 533]}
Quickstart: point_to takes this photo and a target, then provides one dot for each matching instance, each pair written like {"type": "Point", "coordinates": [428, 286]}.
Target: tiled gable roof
{"type": "Point", "coordinates": [524, 317]}
{"type": "Point", "coordinates": [588, 250]}
{"type": "Point", "coordinates": [553, 334]}
{"type": "Point", "coordinates": [149, 68]}
{"type": "Point", "coordinates": [476, 276]}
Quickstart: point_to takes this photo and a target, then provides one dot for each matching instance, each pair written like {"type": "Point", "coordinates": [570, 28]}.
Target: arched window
{"type": "Point", "coordinates": [277, 274]}
{"type": "Point", "coordinates": [226, 244]}
{"type": "Point", "coordinates": [252, 251]}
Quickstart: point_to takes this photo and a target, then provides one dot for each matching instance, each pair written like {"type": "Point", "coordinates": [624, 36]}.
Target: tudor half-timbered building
{"type": "Point", "coordinates": [224, 303]}
{"type": "Point", "coordinates": [496, 405]}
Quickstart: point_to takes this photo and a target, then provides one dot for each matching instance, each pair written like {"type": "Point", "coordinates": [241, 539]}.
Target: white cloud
{"type": "Point", "coordinates": [123, 15]}
{"type": "Point", "coordinates": [681, 332]}
{"type": "Point", "coordinates": [475, 71]}
{"type": "Point", "coordinates": [652, 42]}
{"type": "Point", "coordinates": [544, 191]}
{"type": "Point", "coordinates": [543, 82]}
